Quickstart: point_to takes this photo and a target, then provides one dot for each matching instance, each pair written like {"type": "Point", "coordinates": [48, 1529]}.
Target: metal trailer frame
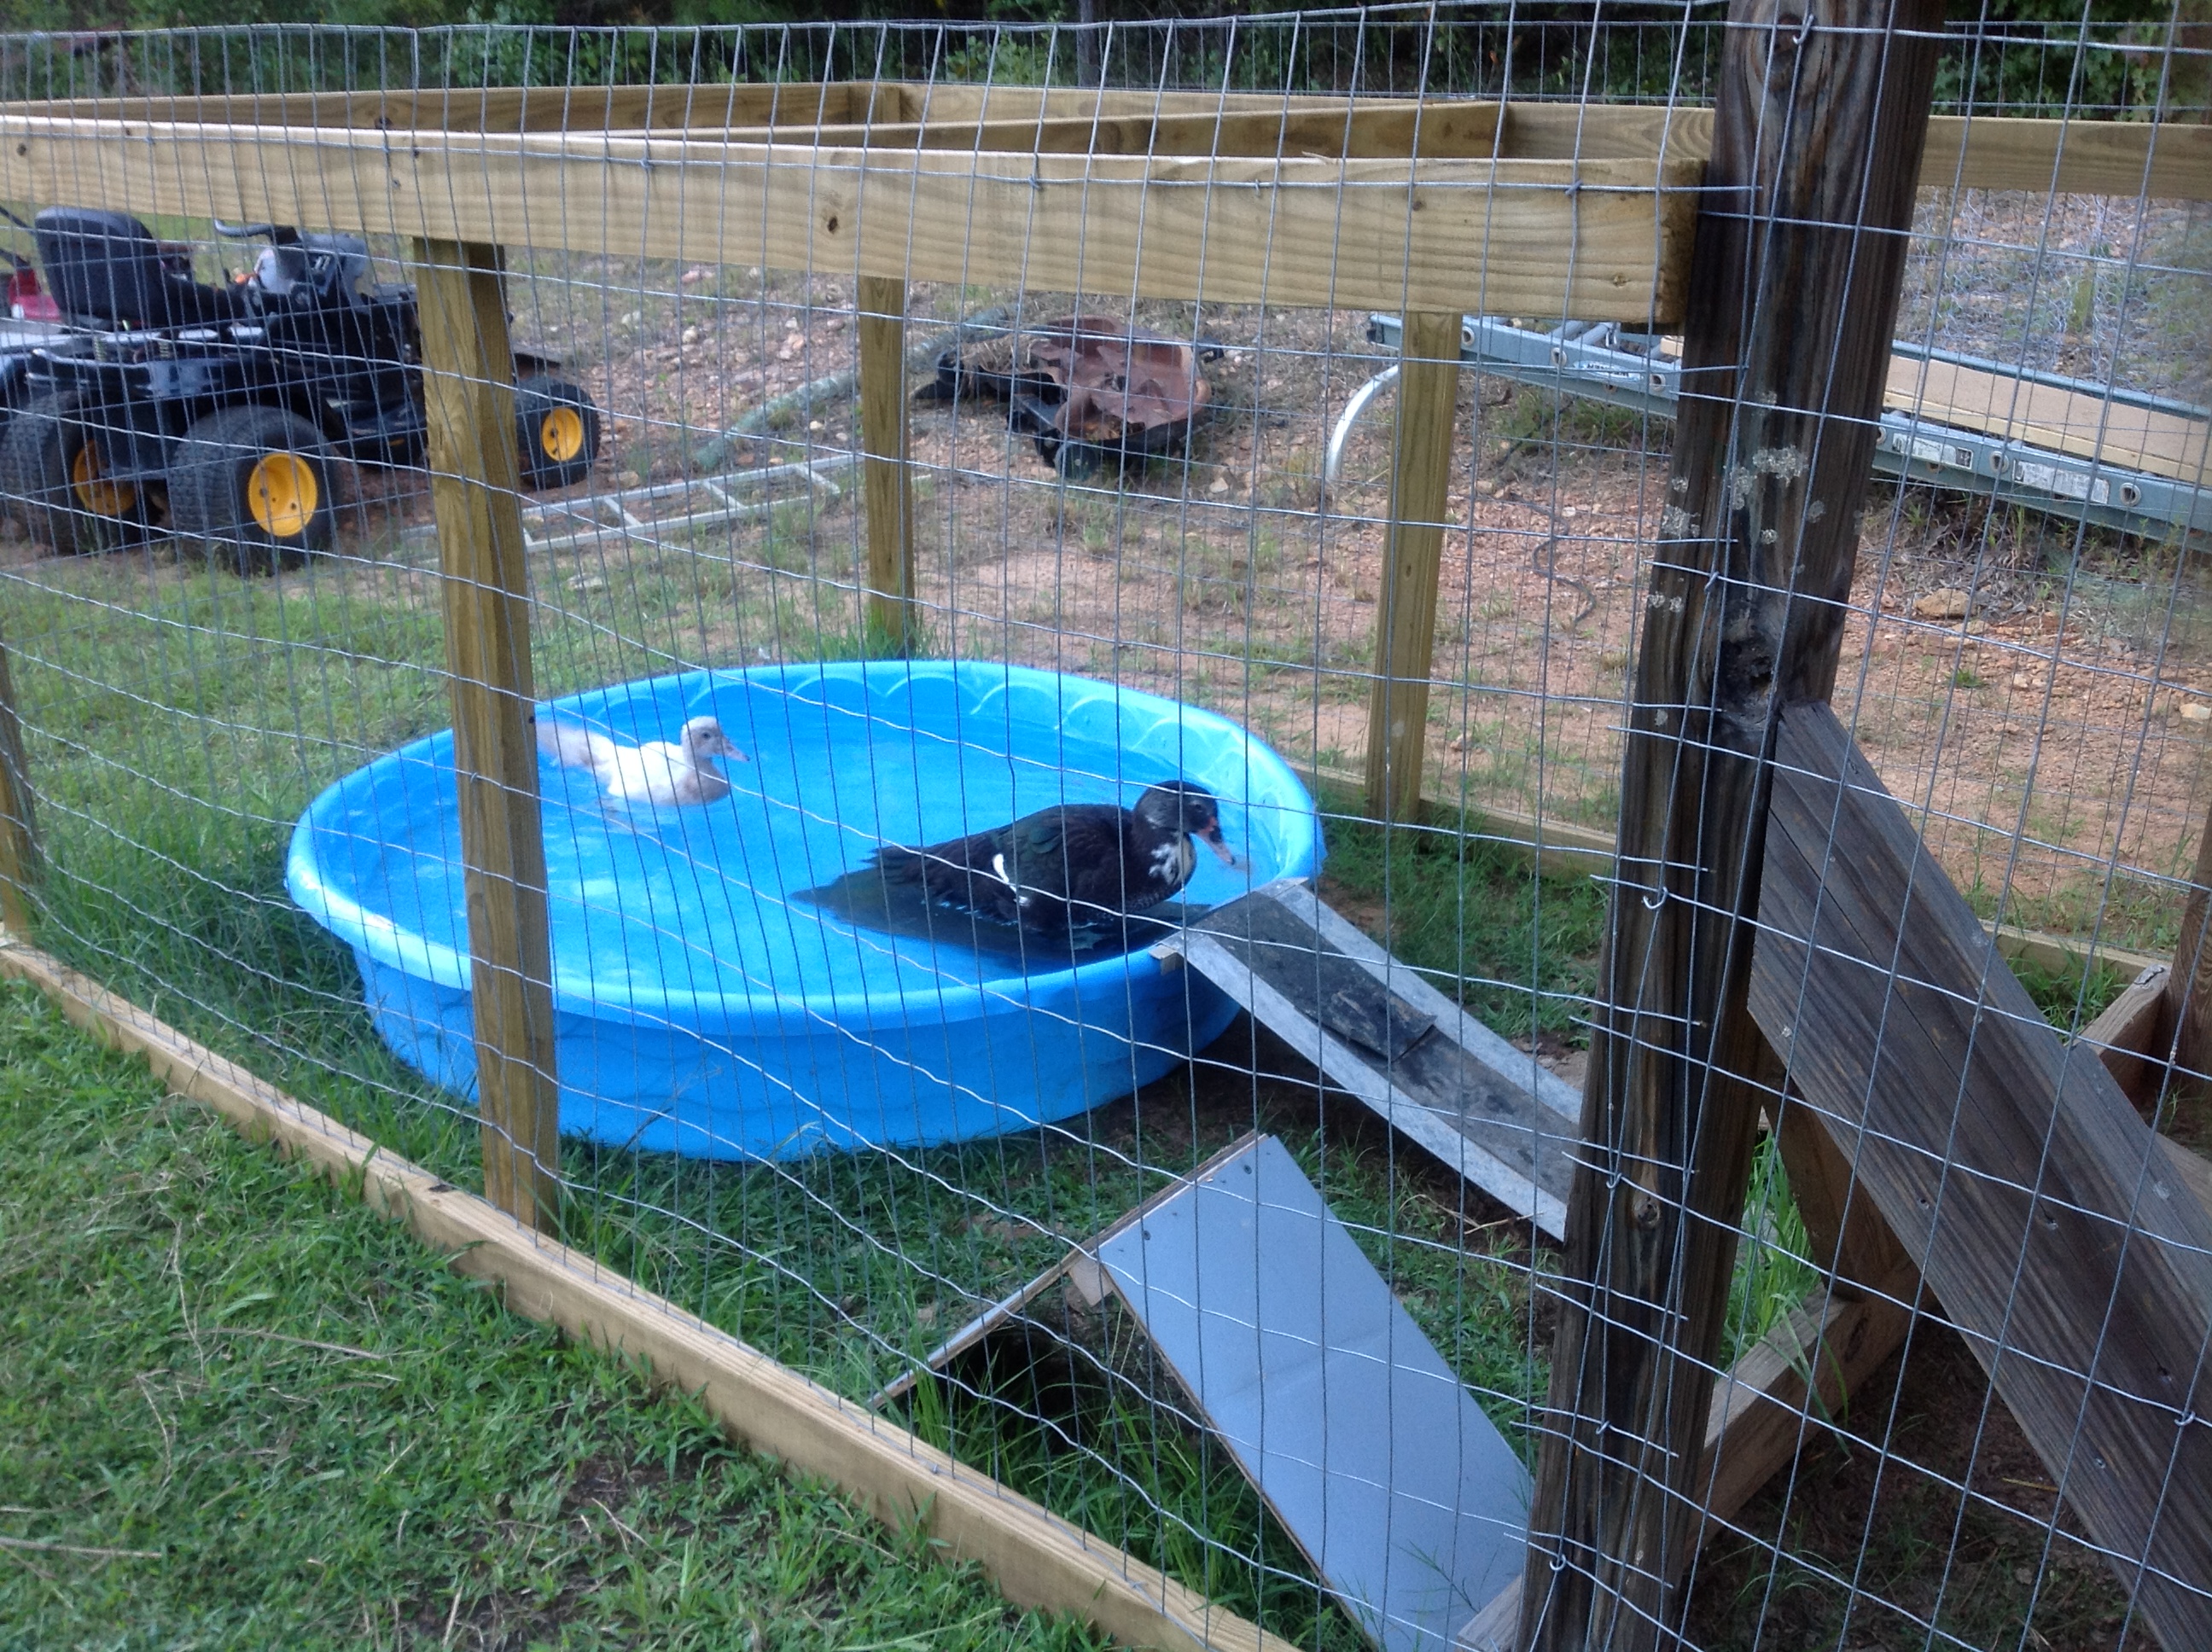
{"type": "Point", "coordinates": [1600, 360]}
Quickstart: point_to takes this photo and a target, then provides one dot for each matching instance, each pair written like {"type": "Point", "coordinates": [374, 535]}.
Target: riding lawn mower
{"type": "Point", "coordinates": [165, 404]}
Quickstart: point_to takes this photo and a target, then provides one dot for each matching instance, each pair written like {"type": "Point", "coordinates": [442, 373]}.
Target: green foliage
{"type": "Point", "coordinates": [2073, 996]}
{"type": "Point", "coordinates": [2089, 58]}
{"type": "Point", "coordinates": [1773, 1275]}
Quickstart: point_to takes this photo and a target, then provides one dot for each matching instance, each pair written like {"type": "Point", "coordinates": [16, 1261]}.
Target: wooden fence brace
{"type": "Point", "coordinates": [886, 477]}
{"type": "Point", "coordinates": [19, 836]}
{"type": "Point", "coordinates": [1795, 270]}
{"type": "Point", "coordinates": [469, 394]}
{"type": "Point", "coordinates": [1412, 560]}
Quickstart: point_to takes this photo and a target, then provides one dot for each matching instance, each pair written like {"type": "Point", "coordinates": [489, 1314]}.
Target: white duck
{"type": "Point", "coordinates": [658, 772]}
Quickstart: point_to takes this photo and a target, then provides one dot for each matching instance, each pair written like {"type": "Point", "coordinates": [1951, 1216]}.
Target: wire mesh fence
{"type": "Point", "coordinates": [597, 424]}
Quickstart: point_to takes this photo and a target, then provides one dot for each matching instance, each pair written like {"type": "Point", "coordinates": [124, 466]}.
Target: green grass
{"type": "Point", "coordinates": [1520, 951]}
{"type": "Point", "coordinates": [241, 1411]}
{"type": "Point", "coordinates": [2072, 996]}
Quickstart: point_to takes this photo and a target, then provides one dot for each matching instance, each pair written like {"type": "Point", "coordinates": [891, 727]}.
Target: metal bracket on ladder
{"type": "Point", "coordinates": [1377, 1028]}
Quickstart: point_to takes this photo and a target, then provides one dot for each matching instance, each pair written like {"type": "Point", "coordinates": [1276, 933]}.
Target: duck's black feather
{"type": "Point", "coordinates": [1072, 877]}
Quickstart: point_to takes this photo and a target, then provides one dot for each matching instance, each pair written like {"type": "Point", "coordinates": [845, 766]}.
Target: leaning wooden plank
{"type": "Point", "coordinates": [1035, 1557]}
{"type": "Point", "coordinates": [1470, 1035]}
{"type": "Point", "coordinates": [1506, 1161]}
{"type": "Point", "coordinates": [1405, 1062]}
{"type": "Point", "coordinates": [2039, 1207]}
{"type": "Point", "coordinates": [2164, 161]}
{"type": "Point", "coordinates": [1599, 240]}
{"type": "Point", "coordinates": [2065, 421]}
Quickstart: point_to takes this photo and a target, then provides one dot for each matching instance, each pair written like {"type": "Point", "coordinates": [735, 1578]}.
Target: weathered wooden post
{"type": "Point", "coordinates": [887, 479]}
{"type": "Point", "coordinates": [1799, 256]}
{"type": "Point", "coordinates": [1412, 559]}
{"type": "Point", "coordinates": [19, 836]}
{"type": "Point", "coordinates": [469, 388]}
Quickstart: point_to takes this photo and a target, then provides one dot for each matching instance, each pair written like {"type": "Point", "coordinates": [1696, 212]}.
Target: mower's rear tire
{"type": "Point", "coordinates": [557, 431]}
{"type": "Point", "coordinates": [52, 474]}
{"type": "Point", "coordinates": [253, 486]}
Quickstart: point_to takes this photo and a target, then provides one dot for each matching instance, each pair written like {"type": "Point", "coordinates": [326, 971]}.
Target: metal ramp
{"type": "Point", "coordinates": [1374, 1028]}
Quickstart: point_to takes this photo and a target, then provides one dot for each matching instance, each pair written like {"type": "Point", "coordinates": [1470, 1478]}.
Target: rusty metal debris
{"type": "Point", "coordinates": [1085, 387]}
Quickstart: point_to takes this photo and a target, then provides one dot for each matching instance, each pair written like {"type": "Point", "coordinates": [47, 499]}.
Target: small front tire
{"type": "Point", "coordinates": [253, 485]}
{"type": "Point", "coordinates": [557, 431]}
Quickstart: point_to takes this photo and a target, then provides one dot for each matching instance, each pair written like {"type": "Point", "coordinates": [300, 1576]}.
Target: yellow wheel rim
{"type": "Point", "coordinates": [561, 434]}
{"type": "Point", "coordinates": [282, 492]}
{"type": "Point", "coordinates": [94, 490]}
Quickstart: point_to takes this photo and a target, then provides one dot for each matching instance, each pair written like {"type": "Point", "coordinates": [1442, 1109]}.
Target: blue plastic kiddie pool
{"type": "Point", "coordinates": [701, 1009]}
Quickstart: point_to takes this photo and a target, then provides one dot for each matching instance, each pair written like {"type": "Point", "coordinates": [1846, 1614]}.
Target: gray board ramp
{"type": "Point", "coordinates": [1403, 1494]}
{"type": "Point", "coordinates": [1378, 1030]}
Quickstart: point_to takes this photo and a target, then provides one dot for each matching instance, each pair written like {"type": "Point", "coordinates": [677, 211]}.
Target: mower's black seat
{"type": "Point", "coordinates": [106, 270]}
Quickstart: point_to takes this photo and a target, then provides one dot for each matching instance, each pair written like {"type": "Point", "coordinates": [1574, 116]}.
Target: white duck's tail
{"type": "Point", "coordinates": [572, 747]}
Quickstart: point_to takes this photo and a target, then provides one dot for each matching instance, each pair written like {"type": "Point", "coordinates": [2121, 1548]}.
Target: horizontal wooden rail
{"type": "Point", "coordinates": [1036, 1557]}
{"type": "Point", "coordinates": [1604, 240]}
{"type": "Point", "coordinates": [1383, 132]}
{"type": "Point", "coordinates": [2161, 160]}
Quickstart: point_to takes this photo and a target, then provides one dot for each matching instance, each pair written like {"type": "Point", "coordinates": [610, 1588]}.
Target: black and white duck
{"type": "Point", "coordinates": [1068, 873]}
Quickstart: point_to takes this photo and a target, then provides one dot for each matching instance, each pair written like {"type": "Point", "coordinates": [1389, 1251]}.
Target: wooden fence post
{"type": "Point", "coordinates": [1413, 557]}
{"type": "Point", "coordinates": [469, 393]}
{"type": "Point", "coordinates": [887, 479]}
{"type": "Point", "coordinates": [1799, 257]}
{"type": "Point", "coordinates": [19, 837]}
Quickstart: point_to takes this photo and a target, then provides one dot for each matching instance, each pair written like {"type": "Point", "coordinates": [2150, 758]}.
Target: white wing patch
{"type": "Point", "coordinates": [999, 866]}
